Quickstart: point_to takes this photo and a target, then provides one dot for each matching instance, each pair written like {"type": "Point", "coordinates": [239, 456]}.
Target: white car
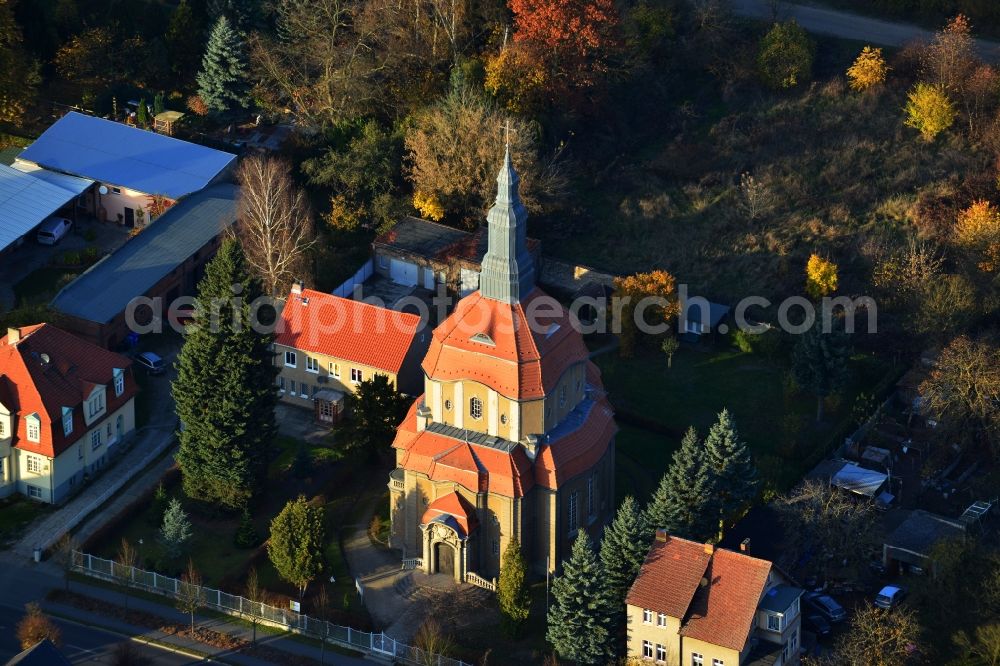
{"type": "Point", "coordinates": [890, 596]}
{"type": "Point", "coordinates": [52, 230]}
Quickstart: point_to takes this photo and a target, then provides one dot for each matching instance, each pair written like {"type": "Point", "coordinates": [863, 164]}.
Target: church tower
{"type": "Point", "coordinates": [513, 436]}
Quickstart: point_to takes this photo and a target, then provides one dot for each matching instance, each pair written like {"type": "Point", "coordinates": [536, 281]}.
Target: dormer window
{"type": "Point", "coordinates": [67, 420]}
{"type": "Point", "coordinates": [483, 339]}
{"type": "Point", "coordinates": [96, 404]}
{"type": "Point", "coordinates": [119, 376]}
{"type": "Point", "coordinates": [33, 428]}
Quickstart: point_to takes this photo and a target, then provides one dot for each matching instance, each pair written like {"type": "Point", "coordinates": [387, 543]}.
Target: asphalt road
{"type": "Point", "coordinates": [82, 645]}
{"type": "Point", "coordinates": [849, 26]}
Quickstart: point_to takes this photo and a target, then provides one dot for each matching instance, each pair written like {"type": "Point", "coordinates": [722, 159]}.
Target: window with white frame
{"type": "Point", "coordinates": [96, 404]}
{"type": "Point", "coordinates": [291, 360]}
{"type": "Point", "coordinates": [281, 384]}
{"type": "Point", "coordinates": [95, 439]}
{"type": "Point", "coordinates": [33, 428]}
{"type": "Point", "coordinates": [291, 386]}
{"type": "Point", "coordinates": [718, 662]}
{"type": "Point", "coordinates": [108, 431]}
{"type": "Point", "coordinates": [67, 420]}
{"type": "Point", "coordinates": [312, 364]}
{"type": "Point", "coordinates": [661, 653]}
{"type": "Point", "coordinates": [697, 659]}
{"type": "Point", "coordinates": [647, 650]}
{"type": "Point", "coordinates": [303, 390]}
{"type": "Point", "coordinates": [475, 408]}
{"type": "Point", "coordinates": [33, 464]}
{"type": "Point", "coordinates": [571, 516]}
{"type": "Point", "coordinates": [335, 370]}
{"type": "Point", "coordinates": [357, 375]}
{"type": "Point", "coordinates": [793, 642]}
{"type": "Point", "coordinates": [3, 425]}
{"type": "Point", "coordinates": [647, 616]}
{"type": "Point", "coordinates": [119, 375]}
{"type": "Point", "coordinates": [35, 492]}
{"type": "Point", "coordinates": [773, 622]}
{"type": "Point", "coordinates": [661, 619]}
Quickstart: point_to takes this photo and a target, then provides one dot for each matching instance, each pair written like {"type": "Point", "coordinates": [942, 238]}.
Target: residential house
{"type": "Point", "coordinates": [150, 271]}
{"type": "Point", "coordinates": [513, 436]}
{"type": "Point", "coordinates": [696, 605]}
{"type": "Point", "coordinates": [700, 317]}
{"type": "Point", "coordinates": [65, 405]}
{"type": "Point", "coordinates": [135, 174]}
{"type": "Point", "coordinates": [910, 547]}
{"type": "Point", "coordinates": [325, 346]}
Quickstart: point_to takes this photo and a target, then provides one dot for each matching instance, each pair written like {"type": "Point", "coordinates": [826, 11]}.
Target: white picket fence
{"type": "Point", "coordinates": [374, 644]}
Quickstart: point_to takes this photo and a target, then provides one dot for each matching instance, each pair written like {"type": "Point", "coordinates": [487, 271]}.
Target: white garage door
{"type": "Point", "coordinates": [403, 272]}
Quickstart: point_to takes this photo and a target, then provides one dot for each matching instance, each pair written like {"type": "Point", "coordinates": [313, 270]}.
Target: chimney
{"type": "Point", "coordinates": [745, 545]}
{"type": "Point", "coordinates": [13, 335]}
{"type": "Point", "coordinates": [709, 549]}
{"type": "Point", "coordinates": [423, 417]}
{"type": "Point", "coordinates": [662, 536]}
{"type": "Point", "coordinates": [297, 287]}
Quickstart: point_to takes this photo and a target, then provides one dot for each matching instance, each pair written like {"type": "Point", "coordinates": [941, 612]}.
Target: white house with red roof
{"type": "Point", "coordinates": [325, 346]}
{"type": "Point", "coordinates": [513, 437]}
{"type": "Point", "coordinates": [694, 604]}
{"type": "Point", "coordinates": [65, 404]}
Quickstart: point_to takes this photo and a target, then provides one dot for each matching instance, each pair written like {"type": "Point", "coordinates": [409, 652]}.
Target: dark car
{"type": "Point", "coordinates": [151, 363]}
{"type": "Point", "coordinates": [826, 606]}
{"type": "Point", "coordinates": [817, 624]}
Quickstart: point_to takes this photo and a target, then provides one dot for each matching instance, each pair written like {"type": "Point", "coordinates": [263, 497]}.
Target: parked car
{"type": "Point", "coordinates": [890, 596]}
{"type": "Point", "coordinates": [817, 624]}
{"type": "Point", "coordinates": [151, 363]}
{"type": "Point", "coordinates": [826, 606]}
{"type": "Point", "coordinates": [52, 230]}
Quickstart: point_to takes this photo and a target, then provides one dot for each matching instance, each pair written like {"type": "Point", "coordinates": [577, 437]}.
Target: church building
{"type": "Point", "coordinates": [513, 436]}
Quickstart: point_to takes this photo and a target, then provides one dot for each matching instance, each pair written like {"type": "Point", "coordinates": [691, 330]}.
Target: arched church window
{"type": "Point", "coordinates": [476, 408]}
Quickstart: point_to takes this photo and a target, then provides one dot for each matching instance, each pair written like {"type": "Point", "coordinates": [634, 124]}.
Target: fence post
{"type": "Point", "coordinates": [348, 635]}
{"type": "Point", "coordinates": [90, 564]}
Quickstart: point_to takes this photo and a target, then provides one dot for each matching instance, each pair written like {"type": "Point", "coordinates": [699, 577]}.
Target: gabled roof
{"type": "Point", "coordinates": [714, 592]}
{"type": "Point", "coordinates": [48, 369]}
{"type": "Point", "coordinates": [105, 289]}
{"type": "Point", "coordinates": [112, 152]}
{"type": "Point", "coordinates": [313, 321]}
{"type": "Point", "coordinates": [25, 202]}
{"type": "Point", "coordinates": [499, 345]}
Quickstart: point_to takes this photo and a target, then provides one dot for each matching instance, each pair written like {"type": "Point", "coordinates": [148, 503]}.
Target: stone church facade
{"type": "Point", "coordinates": [513, 436]}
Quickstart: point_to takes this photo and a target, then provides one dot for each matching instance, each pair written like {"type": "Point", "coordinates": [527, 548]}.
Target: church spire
{"type": "Point", "coordinates": [508, 272]}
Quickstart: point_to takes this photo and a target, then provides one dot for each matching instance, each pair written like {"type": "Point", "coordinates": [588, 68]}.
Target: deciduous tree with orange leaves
{"type": "Point", "coordinates": [632, 290]}
{"type": "Point", "coordinates": [978, 230]}
{"type": "Point", "coordinates": [573, 37]}
{"type": "Point", "coordinates": [869, 70]}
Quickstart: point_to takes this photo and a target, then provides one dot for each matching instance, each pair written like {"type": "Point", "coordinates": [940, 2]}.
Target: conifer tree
{"type": "Point", "coordinates": [222, 81]}
{"type": "Point", "coordinates": [142, 114]}
{"type": "Point", "coordinates": [176, 528]}
{"type": "Point", "coordinates": [296, 543]}
{"type": "Point", "coordinates": [184, 38]}
{"type": "Point", "coordinates": [819, 362]}
{"type": "Point", "coordinates": [224, 389]}
{"type": "Point", "coordinates": [246, 533]}
{"type": "Point", "coordinates": [623, 550]}
{"type": "Point", "coordinates": [579, 624]}
{"type": "Point", "coordinates": [684, 503]}
{"type": "Point", "coordinates": [731, 467]}
{"type": "Point", "coordinates": [512, 594]}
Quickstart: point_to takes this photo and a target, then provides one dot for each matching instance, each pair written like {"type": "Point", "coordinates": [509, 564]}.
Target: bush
{"type": "Point", "coordinates": [785, 56]}
{"type": "Point", "coordinates": [929, 110]}
{"type": "Point", "coordinates": [71, 258]}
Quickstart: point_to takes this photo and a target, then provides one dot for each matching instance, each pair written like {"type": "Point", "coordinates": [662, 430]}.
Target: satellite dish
{"type": "Point", "coordinates": [103, 189]}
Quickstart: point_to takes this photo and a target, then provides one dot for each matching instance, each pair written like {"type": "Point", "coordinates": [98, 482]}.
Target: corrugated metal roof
{"type": "Point", "coordinates": [111, 152]}
{"type": "Point", "coordinates": [24, 202]}
{"type": "Point", "coordinates": [108, 286]}
{"type": "Point", "coordinates": [73, 184]}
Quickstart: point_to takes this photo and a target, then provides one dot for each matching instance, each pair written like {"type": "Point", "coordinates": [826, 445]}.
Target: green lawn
{"type": "Point", "coordinates": [16, 513]}
{"type": "Point", "coordinates": [776, 421]}
{"type": "Point", "coordinates": [42, 284]}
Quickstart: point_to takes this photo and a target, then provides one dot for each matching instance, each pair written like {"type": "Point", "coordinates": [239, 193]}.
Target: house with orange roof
{"type": "Point", "coordinates": [66, 405]}
{"type": "Point", "coordinates": [696, 605]}
{"type": "Point", "coordinates": [325, 346]}
{"type": "Point", "coordinates": [513, 437]}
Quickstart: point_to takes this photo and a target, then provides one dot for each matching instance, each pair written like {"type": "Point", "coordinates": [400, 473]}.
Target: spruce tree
{"type": "Point", "coordinates": [623, 550]}
{"type": "Point", "coordinates": [296, 544]}
{"type": "Point", "coordinates": [246, 533]}
{"type": "Point", "coordinates": [222, 81]}
{"type": "Point", "coordinates": [731, 466]}
{"type": "Point", "coordinates": [512, 594]}
{"type": "Point", "coordinates": [176, 528]}
{"type": "Point", "coordinates": [142, 114]}
{"type": "Point", "coordinates": [684, 503]}
{"type": "Point", "coordinates": [579, 619]}
{"type": "Point", "coordinates": [819, 362]}
{"type": "Point", "coordinates": [224, 390]}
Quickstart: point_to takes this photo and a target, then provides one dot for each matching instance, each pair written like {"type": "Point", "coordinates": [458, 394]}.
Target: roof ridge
{"type": "Point", "coordinates": [334, 297]}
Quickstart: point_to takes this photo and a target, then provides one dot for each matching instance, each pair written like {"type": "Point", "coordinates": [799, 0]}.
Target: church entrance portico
{"type": "Point", "coordinates": [445, 549]}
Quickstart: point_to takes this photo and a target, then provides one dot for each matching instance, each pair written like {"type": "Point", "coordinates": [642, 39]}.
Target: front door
{"type": "Point", "coordinates": [445, 556]}
{"type": "Point", "coordinates": [129, 217]}
{"type": "Point", "coordinates": [325, 408]}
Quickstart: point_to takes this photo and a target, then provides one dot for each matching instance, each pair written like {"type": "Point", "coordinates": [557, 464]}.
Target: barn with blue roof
{"type": "Point", "coordinates": [137, 173]}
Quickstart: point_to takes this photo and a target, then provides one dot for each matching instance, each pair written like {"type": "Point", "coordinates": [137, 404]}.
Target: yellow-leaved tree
{"type": "Point", "coordinates": [659, 285]}
{"type": "Point", "coordinates": [516, 77]}
{"type": "Point", "coordinates": [821, 276]}
{"type": "Point", "coordinates": [978, 231]}
{"type": "Point", "coordinates": [929, 110]}
{"type": "Point", "coordinates": [869, 70]}
{"type": "Point", "coordinates": [428, 205]}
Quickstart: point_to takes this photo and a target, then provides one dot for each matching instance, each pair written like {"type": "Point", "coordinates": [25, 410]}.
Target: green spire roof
{"type": "Point", "coordinates": [508, 272]}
